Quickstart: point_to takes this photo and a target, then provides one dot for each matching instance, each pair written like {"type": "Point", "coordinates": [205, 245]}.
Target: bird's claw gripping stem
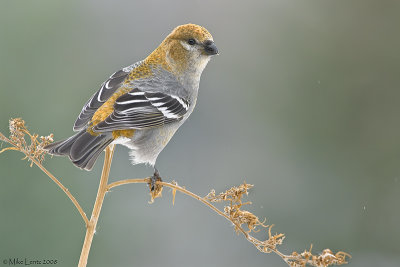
{"type": "Point", "coordinates": [154, 179]}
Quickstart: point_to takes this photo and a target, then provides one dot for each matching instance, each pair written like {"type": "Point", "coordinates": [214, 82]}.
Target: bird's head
{"type": "Point", "coordinates": [188, 48]}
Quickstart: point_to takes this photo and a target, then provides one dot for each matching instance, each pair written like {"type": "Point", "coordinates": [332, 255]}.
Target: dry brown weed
{"type": "Point", "coordinates": [232, 198]}
{"type": "Point", "coordinates": [33, 150]}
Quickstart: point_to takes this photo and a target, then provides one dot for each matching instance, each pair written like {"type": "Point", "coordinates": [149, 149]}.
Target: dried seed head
{"type": "Point", "coordinates": [34, 150]}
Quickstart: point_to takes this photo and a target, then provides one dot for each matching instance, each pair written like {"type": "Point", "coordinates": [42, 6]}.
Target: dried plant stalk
{"type": "Point", "coordinates": [35, 153]}
{"type": "Point", "coordinates": [238, 217]}
{"type": "Point", "coordinates": [232, 198]}
{"type": "Point", "coordinates": [34, 150]}
{"type": "Point", "coordinates": [101, 193]}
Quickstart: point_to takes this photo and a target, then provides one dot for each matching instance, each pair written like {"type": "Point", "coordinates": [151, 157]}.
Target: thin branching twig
{"type": "Point", "coordinates": [232, 211]}
{"type": "Point", "coordinates": [238, 217]}
{"type": "Point", "coordinates": [35, 153]}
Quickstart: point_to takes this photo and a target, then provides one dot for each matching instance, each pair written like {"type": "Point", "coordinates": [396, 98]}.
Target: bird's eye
{"type": "Point", "coordinates": [191, 41]}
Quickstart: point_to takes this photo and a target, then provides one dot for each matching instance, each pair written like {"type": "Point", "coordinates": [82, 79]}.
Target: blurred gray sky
{"type": "Point", "coordinates": [303, 102]}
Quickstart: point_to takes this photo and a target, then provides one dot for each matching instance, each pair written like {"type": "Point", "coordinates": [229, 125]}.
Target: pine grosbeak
{"type": "Point", "coordinates": [141, 106]}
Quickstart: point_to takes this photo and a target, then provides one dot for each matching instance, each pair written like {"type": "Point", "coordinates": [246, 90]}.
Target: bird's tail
{"type": "Point", "coordinates": [82, 148]}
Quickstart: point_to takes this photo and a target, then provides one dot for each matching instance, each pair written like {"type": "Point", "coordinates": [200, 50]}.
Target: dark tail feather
{"type": "Point", "coordinates": [63, 148]}
{"type": "Point", "coordinates": [82, 148]}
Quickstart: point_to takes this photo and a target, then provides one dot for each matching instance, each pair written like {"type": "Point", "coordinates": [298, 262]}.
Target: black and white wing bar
{"type": "Point", "coordinates": [140, 110]}
{"type": "Point", "coordinates": [106, 90]}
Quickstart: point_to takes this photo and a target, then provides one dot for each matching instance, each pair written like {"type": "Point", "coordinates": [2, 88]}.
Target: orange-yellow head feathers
{"type": "Point", "coordinates": [187, 49]}
{"type": "Point", "coordinates": [187, 31]}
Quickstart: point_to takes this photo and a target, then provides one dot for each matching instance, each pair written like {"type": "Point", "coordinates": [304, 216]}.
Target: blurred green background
{"type": "Point", "coordinates": [303, 102]}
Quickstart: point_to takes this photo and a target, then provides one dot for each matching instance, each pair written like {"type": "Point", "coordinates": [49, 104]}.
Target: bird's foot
{"type": "Point", "coordinates": [154, 179]}
{"type": "Point", "coordinates": [155, 188]}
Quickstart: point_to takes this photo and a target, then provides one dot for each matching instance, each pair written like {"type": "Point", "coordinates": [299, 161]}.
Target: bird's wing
{"type": "Point", "coordinates": [140, 110]}
{"type": "Point", "coordinates": [106, 90]}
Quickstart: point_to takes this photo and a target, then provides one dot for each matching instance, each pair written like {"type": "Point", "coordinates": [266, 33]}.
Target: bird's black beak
{"type": "Point", "coordinates": [210, 48]}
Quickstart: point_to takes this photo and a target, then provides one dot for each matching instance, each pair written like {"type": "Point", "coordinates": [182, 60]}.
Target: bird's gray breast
{"type": "Point", "coordinates": [146, 144]}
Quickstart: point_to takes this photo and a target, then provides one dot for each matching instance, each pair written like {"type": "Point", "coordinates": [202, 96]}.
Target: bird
{"type": "Point", "coordinates": [141, 106]}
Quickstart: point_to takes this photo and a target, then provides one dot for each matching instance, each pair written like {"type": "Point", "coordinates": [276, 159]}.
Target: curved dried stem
{"type": "Point", "coordinates": [233, 211]}
{"type": "Point", "coordinates": [34, 152]}
{"type": "Point", "coordinates": [170, 185]}
{"type": "Point", "coordinates": [237, 217]}
{"type": "Point", "coordinates": [128, 181]}
{"type": "Point", "coordinates": [66, 191]}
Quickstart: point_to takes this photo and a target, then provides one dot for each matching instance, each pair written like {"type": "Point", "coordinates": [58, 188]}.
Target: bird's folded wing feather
{"type": "Point", "coordinates": [140, 110]}
{"type": "Point", "coordinates": [107, 89]}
